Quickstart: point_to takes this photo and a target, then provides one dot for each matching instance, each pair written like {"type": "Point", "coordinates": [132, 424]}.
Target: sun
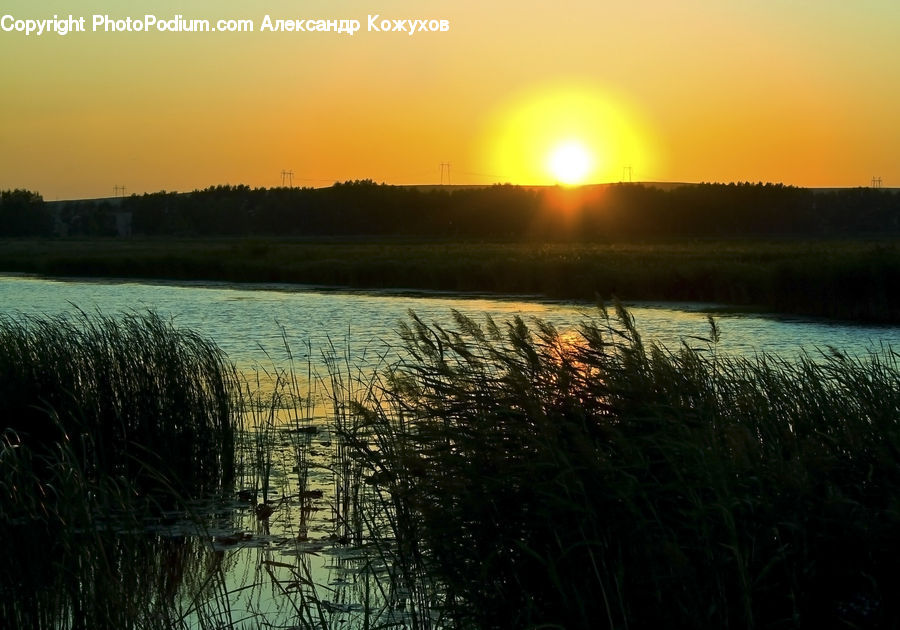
{"type": "Point", "coordinates": [570, 162]}
{"type": "Point", "coordinates": [570, 133]}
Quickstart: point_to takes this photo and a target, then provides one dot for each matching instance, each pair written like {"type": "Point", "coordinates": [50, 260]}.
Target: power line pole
{"type": "Point", "coordinates": [626, 174]}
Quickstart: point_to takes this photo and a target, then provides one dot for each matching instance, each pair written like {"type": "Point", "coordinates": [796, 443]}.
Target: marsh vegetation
{"type": "Point", "coordinates": [497, 474]}
{"type": "Point", "coordinates": [839, 278]}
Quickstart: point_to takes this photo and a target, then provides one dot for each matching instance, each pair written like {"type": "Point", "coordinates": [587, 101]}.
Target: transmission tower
{"type": "Point", "coordinates": [876, 182]}
{"type": "Point", "coordinates": [447, 166]}
{"type": "Point", "coordinates": [289, 176]}
{"type": "Point", "coordinates": [626, 174]}
{"type": "Point", "coordinates": [117, 190]}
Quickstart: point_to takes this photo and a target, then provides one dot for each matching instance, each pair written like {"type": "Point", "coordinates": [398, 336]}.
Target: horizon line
{"type": "Point", "coordinates": [439, 186]}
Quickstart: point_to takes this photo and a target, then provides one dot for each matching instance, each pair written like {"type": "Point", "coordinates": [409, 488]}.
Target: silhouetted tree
{"type": "Point", "coordinates": [23, 213]}
{"type": "Point", "coordinates": [365, 208]}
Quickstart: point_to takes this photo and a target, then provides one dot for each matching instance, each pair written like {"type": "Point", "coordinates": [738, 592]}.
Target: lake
{"type": "Point", "coordinates": [246, 320]}
{"type": "Point", "coordinates": [296, 562]}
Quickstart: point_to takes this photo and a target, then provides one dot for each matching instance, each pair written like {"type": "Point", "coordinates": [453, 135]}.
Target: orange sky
{"type": "Point", "coordinates": [804, 93]}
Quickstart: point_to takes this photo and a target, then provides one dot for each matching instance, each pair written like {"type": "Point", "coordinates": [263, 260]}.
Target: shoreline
{"type": "Point", "coordinates": [838, 279]}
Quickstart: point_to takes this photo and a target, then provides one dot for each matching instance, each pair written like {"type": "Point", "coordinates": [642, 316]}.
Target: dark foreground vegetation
{"type": "Point", "coordinates": [103, 421]}
{"type": "Point", "coordinates": [515, 476]}
{"type": "Point", "coordinates": [593, 481]}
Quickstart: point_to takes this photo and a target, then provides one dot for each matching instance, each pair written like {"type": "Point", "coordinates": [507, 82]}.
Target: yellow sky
{"type": "Point", "coordinates": [804, 93]}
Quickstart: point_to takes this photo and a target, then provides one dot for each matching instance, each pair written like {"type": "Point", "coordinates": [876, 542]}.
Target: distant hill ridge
{"type": "Point", "coordinates": [665, 186]}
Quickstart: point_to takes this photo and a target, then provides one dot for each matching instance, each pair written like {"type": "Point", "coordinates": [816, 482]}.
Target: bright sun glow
{"type": "Point", "coordinates": [570, 162]}
{"type": "Point", "coordinates": [568, 134]}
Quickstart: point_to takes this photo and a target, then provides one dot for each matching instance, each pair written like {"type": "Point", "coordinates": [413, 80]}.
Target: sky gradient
{"type": "Point", "coordinates": [803, 93]}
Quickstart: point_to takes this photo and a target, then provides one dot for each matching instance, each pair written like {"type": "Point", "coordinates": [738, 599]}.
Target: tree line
{"type": "Point", "coordinates": [364, 208]}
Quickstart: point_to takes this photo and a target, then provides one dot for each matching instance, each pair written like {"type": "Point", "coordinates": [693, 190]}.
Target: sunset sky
{"type": "Point", "coordinates": [799, 92]}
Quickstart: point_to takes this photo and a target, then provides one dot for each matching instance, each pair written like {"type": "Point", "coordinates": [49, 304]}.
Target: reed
{"type": "Point", "coordinates": [498, 475]}
{"type": "Point", "coordinates": [129, 394]}
{"type": "Point", "coordinates": [104, 419]}
{"type": "Point", "coordinates": [77, 554]}
{"type": "Point", "coordinates": [538, 479]}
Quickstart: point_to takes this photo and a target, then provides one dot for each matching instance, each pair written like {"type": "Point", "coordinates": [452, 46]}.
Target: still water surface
{"type": "Point", "coordinates": [247, 320]}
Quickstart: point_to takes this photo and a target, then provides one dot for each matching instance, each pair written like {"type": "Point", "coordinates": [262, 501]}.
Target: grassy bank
{"type": "Point", "coordinates": [848, 279]}
{"type": "Point", "coordinates": [501, 475]}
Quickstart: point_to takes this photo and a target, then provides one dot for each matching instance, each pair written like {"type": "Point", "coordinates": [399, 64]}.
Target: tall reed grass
{"type": "Point", "coordinates": [101, 418]}
{"type": "Point", "coordinates": [501, 475]}
{"type": "Point", "coordinates": [128, 395]}
{"type": "Point", "coordinates": [543, 480]}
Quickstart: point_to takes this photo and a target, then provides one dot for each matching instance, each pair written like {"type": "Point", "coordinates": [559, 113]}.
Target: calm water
{"type": "Point", "coordinates": [247, 320]}
{"type": "Point", "coordinates": [296, 547]}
